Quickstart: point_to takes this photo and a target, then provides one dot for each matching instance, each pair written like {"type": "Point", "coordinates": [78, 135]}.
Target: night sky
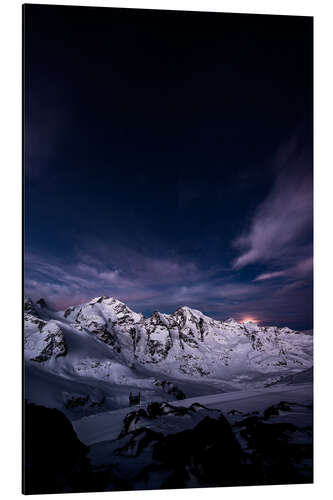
{"type": "Point", "coordinates": [168, 161]}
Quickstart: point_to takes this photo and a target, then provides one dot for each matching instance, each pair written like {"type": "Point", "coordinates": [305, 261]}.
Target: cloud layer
{"type": "Point", "coordinates": [163, 284]}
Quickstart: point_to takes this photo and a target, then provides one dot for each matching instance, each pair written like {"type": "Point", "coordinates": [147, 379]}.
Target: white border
{"type": "Point", "coordinates": [10, 199]}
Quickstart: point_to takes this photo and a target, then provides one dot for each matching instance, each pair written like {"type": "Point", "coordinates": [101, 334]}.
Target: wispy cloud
{"type": "Point", "coordinates": [281, 222]}
{"type": "Point", "coordinates": [269, 276]}
{"type": "Point", "coordinates": [301, 270]}
{"type": "Point", "coordinates": [278, 224]}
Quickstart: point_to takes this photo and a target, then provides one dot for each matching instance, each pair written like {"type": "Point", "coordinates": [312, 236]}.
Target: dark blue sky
{"type": "Point", "coordinates": [168, 161]}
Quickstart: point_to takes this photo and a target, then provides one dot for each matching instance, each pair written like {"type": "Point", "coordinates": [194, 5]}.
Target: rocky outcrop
{"type": "Point", "coordinates": [28, 307]}
{"type": "Point", "coordinates": [206, 448]}
{"type": "Point", "coordinates": [92, 400]}
{"type": "Point", "coordinates": [43, 340]}
{"type": "Point", "coordinates": [170, 388]}
{"type": "Point", "coordinates": [54, 343]}
{"type": "Point", "coordinates": [55, 460]}
{"type": "Point", "coordinates": [153, 415]}
{"type": "Point", "coordinates": [178, 447]}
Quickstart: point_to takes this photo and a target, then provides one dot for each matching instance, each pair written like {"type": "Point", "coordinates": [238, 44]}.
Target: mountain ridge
{"type": "Point", "coordinates": [104, 343]}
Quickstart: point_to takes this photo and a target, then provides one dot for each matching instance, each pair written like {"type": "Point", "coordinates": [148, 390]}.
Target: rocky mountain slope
{"type": "Point", "coordinates": [93, 355]}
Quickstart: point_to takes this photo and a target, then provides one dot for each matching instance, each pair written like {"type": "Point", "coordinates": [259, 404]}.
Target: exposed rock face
{"type": "Point", "coordinates": [29, 307]}
{"type": "Point", "coordinates": [155, 413]}
{"type": "Point", "coordinates": [55, 343]}
{"type": "Point", "coordinates": [297, 378]}
{"type": "Point", "coordinates": [74, 400]}
{"type": "Point", "coordinates": [169, 388]}
{"type": "Point", "coordinates": [94, 399]}
{"type": "Point", "coordinates": [43, 340]}
{"type": "Point", "coordinates": [55, 459]}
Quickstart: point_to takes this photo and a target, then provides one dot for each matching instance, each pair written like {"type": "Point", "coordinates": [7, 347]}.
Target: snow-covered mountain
{"type": "Point", "coordinates": [244, 414]}
{"type": "Point", "coordinates": [95, 354]}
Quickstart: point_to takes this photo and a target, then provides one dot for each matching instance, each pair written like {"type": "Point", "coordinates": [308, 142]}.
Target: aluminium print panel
{"type": "Point", "coordinates": [168, 249]}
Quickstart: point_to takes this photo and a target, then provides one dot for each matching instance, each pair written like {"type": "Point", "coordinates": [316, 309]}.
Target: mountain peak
{"type": "Point", "coordinates": [231, 321]}
{"type": "Point", "coordinates": [105, 299]}
{"type": "Point", "coordinates": [185, 309]}
{"type": "Point", "coordinates": [98, 300]}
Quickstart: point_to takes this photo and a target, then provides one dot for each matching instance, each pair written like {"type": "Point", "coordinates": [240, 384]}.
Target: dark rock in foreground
{"type": "Point", "coordinates": [55, 459]}
{"type": "Point", "coordinates": [209, 452]}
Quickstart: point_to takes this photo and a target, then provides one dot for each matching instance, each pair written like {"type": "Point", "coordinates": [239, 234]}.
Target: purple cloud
{"type": "Point", "coordinates": [282, 220]}
{"type": "Point", "coordinates": [278, 223]}
{"type": "Point", "coordinates": [129, 275]}
{"type": "Point", "coordinates": [269, 276]}
{"type": "Point", "coordinates": [148, 283]}
{"type": "Point", "coordinates": [303, 268]}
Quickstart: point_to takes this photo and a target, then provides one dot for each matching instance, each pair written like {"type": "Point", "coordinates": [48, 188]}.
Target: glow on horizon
{"type": "Point", "coordinates": [248, 320]}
